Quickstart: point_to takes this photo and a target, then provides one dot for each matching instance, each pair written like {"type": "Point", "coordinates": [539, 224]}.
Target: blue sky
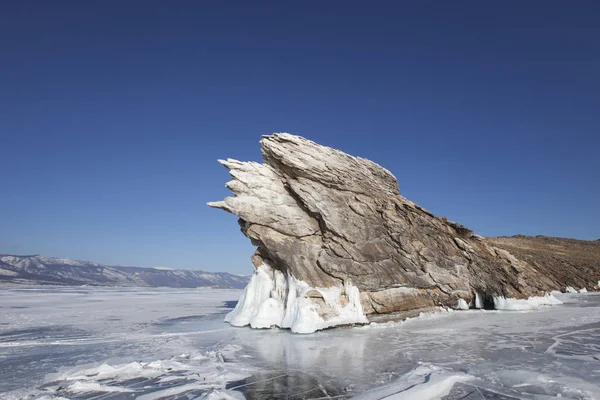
{"type": "Point", "coordinates": [112, 115]}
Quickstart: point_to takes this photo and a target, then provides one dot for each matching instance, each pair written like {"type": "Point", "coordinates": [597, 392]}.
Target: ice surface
{"type": "Point", "coordinates": [274, 299]}
{"type": "Point", "coordinates": [102, 343]}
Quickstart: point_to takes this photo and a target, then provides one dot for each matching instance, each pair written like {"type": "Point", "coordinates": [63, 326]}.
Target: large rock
{"type": "Point", "coordinates": [338, 244]}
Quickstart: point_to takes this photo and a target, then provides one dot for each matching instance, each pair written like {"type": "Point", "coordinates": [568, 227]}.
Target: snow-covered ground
{"type": "Point", "coordinates": [124, 343]}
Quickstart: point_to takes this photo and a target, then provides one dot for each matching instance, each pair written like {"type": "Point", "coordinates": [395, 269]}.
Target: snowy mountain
{"type": "Point", "coordinates": [36, 269]}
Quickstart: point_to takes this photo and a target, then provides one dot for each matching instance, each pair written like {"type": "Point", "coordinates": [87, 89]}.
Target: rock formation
{"type": "Point", "coordinates": [338, 244]}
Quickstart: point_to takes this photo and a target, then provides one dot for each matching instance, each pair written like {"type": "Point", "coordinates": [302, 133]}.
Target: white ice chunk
{"type": "Point", "coordinates": [462, 305]}
{"type": "Point", "coordinates": [274, 299]}
{"type": "Point", "coordinates": [257, 307]}
{"type": "Point", "coordinates": [86, 387]}
{"type": "Point", "coordinates": [478, 301]}
{"type": "Point", "coordinates": [583, 290]}
{"type": "Point", "coordinates": [225, 395]}
{"type": "Point", "coordinates": [423, 383]}
{"type": "Point", "coordinates": [570, 289]}
{"type": "Point", "coordinates": [502, 303]}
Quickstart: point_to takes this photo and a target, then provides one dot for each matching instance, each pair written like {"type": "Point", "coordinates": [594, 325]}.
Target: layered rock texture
{"type": "Point", "coordinates": [567, 262]}
{"type": "Point", "coordinates": [331, 227]}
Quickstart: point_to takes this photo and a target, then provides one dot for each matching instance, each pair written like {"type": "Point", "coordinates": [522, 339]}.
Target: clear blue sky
{"type": "Point", "coordinates": [113, 113]}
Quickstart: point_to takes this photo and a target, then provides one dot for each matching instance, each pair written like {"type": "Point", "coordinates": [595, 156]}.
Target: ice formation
{"type": "Point", "coordinates": [425, 382]}
{"type": "Point", "coordinates": [478, 301]}
{"type": "Point", "coordinates": [502, 303]}
{"type": "Point", "coordinates": [273, 298]}
{"type": "Point", "coordinates": [462, 305]}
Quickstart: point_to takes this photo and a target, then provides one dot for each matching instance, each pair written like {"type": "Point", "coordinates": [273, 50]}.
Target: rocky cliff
{"type": "Point", "coordinates": [567, 262]}
{"type": "Point", "coordinates": [337, 243]}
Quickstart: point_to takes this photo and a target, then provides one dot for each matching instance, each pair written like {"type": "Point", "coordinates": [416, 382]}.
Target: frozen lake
{"type": "Point", "coordinates": [124, 343]}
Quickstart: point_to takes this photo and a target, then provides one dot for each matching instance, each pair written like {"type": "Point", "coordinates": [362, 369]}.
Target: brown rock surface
{"type": "Point", "coordinates": [331, 220]}
{"type": "Point", "coordinates": [566, 262]}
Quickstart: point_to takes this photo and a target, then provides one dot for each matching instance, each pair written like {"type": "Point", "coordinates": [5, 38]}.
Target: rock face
{"type": "Point", "coordinates": [338, 244]}
{"type": "Point", "coordinates": [568, 262]}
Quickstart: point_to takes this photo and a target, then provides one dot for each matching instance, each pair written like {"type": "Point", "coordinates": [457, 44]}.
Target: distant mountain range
{"type": "Point", "coordinates": [42, 270]}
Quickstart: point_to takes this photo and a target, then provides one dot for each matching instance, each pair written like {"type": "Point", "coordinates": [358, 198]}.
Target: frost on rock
{"type": "Point", "coordinates": [502, 303]}
{"type": "Point", "coordinates": [275, 299]}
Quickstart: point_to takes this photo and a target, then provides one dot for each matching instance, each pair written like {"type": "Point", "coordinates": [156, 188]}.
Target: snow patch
{"type": "Point", "coordinates": [273, 298]}
{"type": "Point", "coordinates": [7, 272]}
{"type": "Point", "coordinates": [502, 303]}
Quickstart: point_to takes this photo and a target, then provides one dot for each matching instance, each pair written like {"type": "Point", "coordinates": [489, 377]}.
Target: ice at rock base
{"type": "Point", "coordinates": [273, 298]}
{"type": "Point", "coordinates": [462, 305]}
{"type": "Point", "coordinates": [502, 303]}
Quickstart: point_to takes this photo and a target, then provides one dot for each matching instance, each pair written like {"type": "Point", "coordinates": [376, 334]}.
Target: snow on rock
{"type": "Point", "coordinates": [8, 272]}
{"type": "Point", "coordinates": [502, 303]}
{"type": "Point", "coordinates": [274, 299]}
